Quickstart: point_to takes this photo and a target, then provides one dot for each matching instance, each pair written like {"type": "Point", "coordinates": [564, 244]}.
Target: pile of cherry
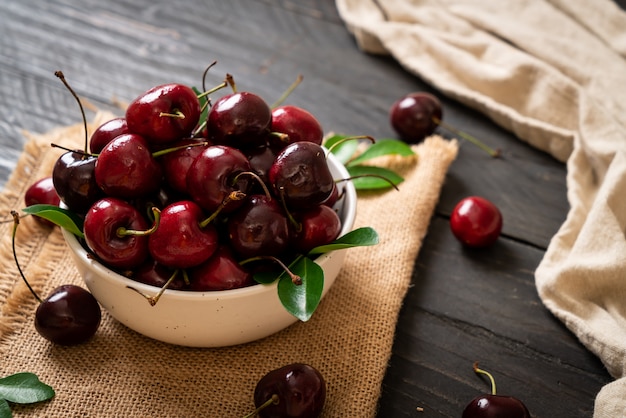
{"type": "Point", "coordinates": [209, 193]}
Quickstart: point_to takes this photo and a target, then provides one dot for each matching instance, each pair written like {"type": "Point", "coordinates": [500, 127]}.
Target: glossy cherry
{"type": "Point", "coordinates": [111, 230]}
{"type": "Point", "coordinates": [414, 116]}
{"type": "Point", "coordinates": [493, 405]}
{"type": "Point", "coordinates": [157, 275]}
{"type": "Point", "coordinates": [180, 241]}
{"type": "Point", "coordinates": [126, 169]}
{"type": "Point", "coordinates": [259, 228]}
{"type": "Point", "coordinates": [239, 119]}
{"type": "Point", "coordinates": [70, 315]}
{"type": "Point", "coordinates": [176, 163]}
{"type": "Point", "coordinates": [476, 221]}
{"type": "Point", "coordinates": [417, 115]}
{"type": "Point", "coordinates": [300, 175]}
{"type": "Point", "coordinates": [74, 179]}
{"type": "Point", "coordinates": [215, 174]}
{"type": "Point", "coordinates": [317, 226]}
{"type": "Point", "coordinates": [107, 132]}
{"type": "Point", "coordinates": [164, 113]}
{"type": "Point", "coordinates": [42, 192]}
{"type": "Point", "coordinates": [221, 271]}
{"type": "Point", "coordinates": [296, 390]}
{"type": "Point", "coordinates": [297, 123]}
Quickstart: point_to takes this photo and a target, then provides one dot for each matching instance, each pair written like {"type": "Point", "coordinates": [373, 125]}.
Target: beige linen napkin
{"type": "Point", "coordinates": [123, 374]}
{"type": "Point", "coordinates": [554, 73]}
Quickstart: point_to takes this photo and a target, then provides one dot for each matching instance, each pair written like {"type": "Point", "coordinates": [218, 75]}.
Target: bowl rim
{"type": "Point", "coordinates": [348, 212]}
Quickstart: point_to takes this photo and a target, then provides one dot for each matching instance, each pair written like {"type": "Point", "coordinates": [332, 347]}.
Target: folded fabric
{"type": "Point", "coordinates": [553, 72]}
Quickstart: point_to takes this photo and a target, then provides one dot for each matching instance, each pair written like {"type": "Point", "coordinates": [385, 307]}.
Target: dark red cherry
{"type": "Point", "coordinates": [239, 119]}
{"type": "Point", "coordinates": [220, 272]}
{"type": "Point", "coordinates": [164, 113]}
{"type": "Point", "coordinates": [299, 390]}
{"type": "Point", "coordinates": [300, 175]}
{"type": "Point", "coordinates": [215, 174]}
{"type": "Point", "coordinates": [261, 159]}
{"type": "Point", "coordinates": [176, 163]}
{"type": "Point", "coordinates": [69, 316]}
{"type": "Point", "coordinates": [157, 275]}
{"type": "Point", "coordinates": [42, 192]}
{"type": "Point", "coordinates": [106, 229]}
{"type": "Point", "coordinates": [414, 116]}
{"type": "Point", "coordinates": [494, 405]}
{"type": "Point", "coordinates": [476, 222]}
{"type": "Point", "coordinates": [74, 179]}
{"type": "Point", "coordinates": [259, 228]}
{"type": "Point", "coordinates": [106, 133]}
{"type": "Point", "coordinates": [126, 169]}
{"type": "Point", "coordinates": [297, 123]}
{"type": "Point", "coordinates": [318, 225]}
{"type": "Point", "coordinates": [180, 241]}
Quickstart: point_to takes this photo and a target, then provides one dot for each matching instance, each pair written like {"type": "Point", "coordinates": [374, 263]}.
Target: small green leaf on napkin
{"type": "Point", "coordinates": [359, 237]}
{"type": "Point", "coordinates": [367, 177]}
{"type": "Point", "coordinates": [22, 388]}
{"type": "Point", "coordinates": [381, 148]}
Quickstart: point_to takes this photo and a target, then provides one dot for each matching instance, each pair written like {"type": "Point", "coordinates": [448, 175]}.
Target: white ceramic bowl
{"type": "Point", "coordinates": [206, 319]}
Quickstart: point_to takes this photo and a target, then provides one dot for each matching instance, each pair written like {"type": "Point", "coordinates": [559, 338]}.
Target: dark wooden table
{"type": "Point", "coordinates": [464, 305]}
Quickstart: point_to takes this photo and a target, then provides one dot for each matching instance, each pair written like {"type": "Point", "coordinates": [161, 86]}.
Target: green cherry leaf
{"type": "Point", "coordinates": [24, 388]}
{"type": "Point", "coordinates": [302, 300]}
{"type": "Point", "coordinates": [59, 216]}
{"type": "Point", "coordinates": [365, 177]}
{"type": "Point", "coordinates": [5, 409]}
{"type": "Point", "coordinates": [360, 237]}
{"type": "Point", "coordinates": [380, 148]}
{"type": "Point", "coordinates": [344, 150]}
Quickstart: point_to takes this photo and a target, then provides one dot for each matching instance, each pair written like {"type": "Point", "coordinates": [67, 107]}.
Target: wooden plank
{"type": "Point", "coordinates": [467, 306]}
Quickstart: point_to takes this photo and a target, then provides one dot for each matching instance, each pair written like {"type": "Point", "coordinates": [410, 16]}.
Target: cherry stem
{"type": "Point", "coordinates": [16, 222]}
{"type": "Point", "coordinates": [295, 279]}
{"type": "Point", "coordinates": [157, 154]}
{"type": "Point", "coordinates": [274, 400]}
{"type": "Point", "coordinates": [60, 75]}
{"type": "Point", "coordinates": [176, 115]}
{"type": "Point", "coordinates": [351, 138]}
{"type": "Point", "coordinates": [486, 373]}
{"type": "Point", "coordinates": [152, 300]}
{"type": "Point", "coordinates": [297, 225]}
{"type": "Point", "coordinates": [204, 74]}
{"type": "Point", "coordinates": [234, 195]}
{"type": "Point", "coordinates": [123, 232]}
{"type": "Point", "coordinates": [257, 178]}
{"type": "Point", "coordinates": [228, 81]}
{"type": "Point", "coordinates": [287, 92]}
{"type": "Point", "coordinates": [492, 152]}
{"type": "Point", "coordinates": [84, 153]}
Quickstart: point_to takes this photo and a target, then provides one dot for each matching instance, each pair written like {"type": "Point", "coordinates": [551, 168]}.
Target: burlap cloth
{"type": "Point", "coordinates": [123, 374]}
{"type": "Point", "coordinates": [554, 73]}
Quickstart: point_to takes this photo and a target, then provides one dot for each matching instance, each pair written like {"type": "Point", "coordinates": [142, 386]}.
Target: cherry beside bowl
{"type": "Point", "coordinates": [206, 319]}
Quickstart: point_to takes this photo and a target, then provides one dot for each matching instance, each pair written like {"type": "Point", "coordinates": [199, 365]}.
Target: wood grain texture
{"type": "Point", "coordinates": [464, 305]}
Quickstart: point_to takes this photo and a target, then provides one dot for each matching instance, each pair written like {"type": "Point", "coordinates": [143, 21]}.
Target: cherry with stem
{"type": "Point", "coordinates": [70, 315]}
